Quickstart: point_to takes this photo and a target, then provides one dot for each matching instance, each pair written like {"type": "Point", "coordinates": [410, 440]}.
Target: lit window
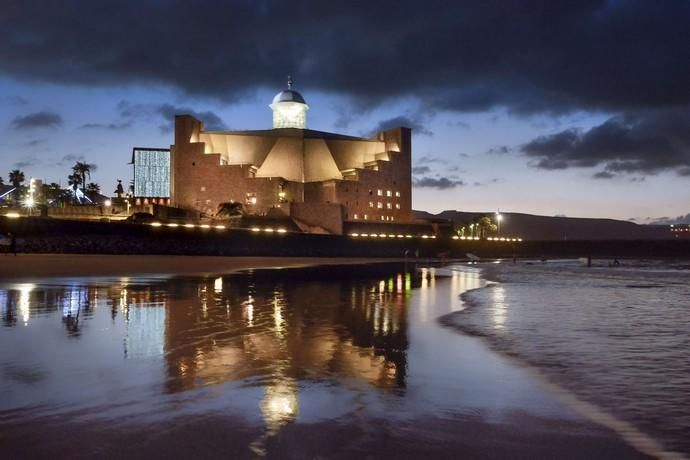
{"type": "Point", "coordinates": [203, 189]}
{"type": "Point", "coordinates": [379, 205]}
{"type": "Point", "coordinates": [392, 218]}
{"type": "Point", "coordinates": [388, 193]}
{"type": "Point", "coordinates": [383, 217]}
{"type": "Point", "coordinates": [356, 216]}
{"type": "Point", "coordinates": [371, 204]}
{"type": "Point", "coordinates": [397, 205]}
{"type": "Point", "coordinates": [397, 194]}
{"type": "Point", "coordinates": [389, 205]}
{"type": "Point", "coordinates": [251, 198]}
{"type": "Point", "coordinates": [366, 217]}
{"type": "Point", "coordinates": [379, 192]}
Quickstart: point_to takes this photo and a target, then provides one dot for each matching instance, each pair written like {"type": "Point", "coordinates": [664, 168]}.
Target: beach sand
{"type": "Point", "coordinates": [68, 265]}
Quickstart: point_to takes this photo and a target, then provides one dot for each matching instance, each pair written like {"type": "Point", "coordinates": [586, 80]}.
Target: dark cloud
{"type": "Point", "coordinates": [421, 170]}
{"type": "Point", "coordinates": [396, 122]}
{"type": "Point", "coordinates": [502, 150]}
{"type": "Point", "coordinates": [526, 55]}
{"type": "Point", "coordinates": [35, 142]}
{"type": "Point", "coordinates": [13, 100]}
{"type": "Point", "coordinates": [441, 183]}
{"type": "Point", "coordinates": [109, 126]}
{"type": "Point", "coordinates": [495, 180]}
{"type": "Point", "coordinates": [670, 220]}
{"type": "Point", "coordinates": [645, 142]}
{"type": "Point", "coordinates": [69, 160]}
{"type": "Point", "coordinates": [603, 175]}
{"type": "Point", "coordinates": [26, 163]}
{"type": "Point", "coordinates": [430, 159]}
{"type": "Point", "coordinates": [37, 120]}
{"type": "Point", "coordinates": [167, 112]}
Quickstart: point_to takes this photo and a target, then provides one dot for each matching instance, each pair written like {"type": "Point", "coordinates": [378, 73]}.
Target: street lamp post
{"type": "Point", "coordinates": [499, 218]}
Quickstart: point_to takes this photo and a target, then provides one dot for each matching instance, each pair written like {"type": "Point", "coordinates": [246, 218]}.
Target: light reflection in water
{"type": "Point", "coordinates": [260, 332]}
{"type": "Point", "coordinates": [499, 306]}
{"type": "Point", "coordinates": [24, 292]}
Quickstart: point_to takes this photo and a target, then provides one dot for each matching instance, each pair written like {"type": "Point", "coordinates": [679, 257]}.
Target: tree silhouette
{"type": "Point", "coordinates": [92, 189]}
{"type": "Point", "coordinates": [16, 178]}
{"type": "Point", "coordinates": [82, 171]}
{"type": "Point", "coordinates": [230, 209]}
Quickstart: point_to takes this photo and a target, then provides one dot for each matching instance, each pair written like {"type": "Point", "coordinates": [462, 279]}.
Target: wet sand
{"type": "Point", "coordinates": [78, 396]}
{"type": "Point", "coordinates": [68, 265]}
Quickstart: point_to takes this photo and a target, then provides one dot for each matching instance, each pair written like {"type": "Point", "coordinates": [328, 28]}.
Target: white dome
{"type": "Point", "coordinates": [288, 95]}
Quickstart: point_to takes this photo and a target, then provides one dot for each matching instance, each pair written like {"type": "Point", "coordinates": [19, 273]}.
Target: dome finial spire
{"type": "Point", "coordinates": [289, 82]}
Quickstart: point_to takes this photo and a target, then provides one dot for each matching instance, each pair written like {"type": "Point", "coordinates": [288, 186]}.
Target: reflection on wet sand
{"type": "Point", "coordinates": [272, 334]}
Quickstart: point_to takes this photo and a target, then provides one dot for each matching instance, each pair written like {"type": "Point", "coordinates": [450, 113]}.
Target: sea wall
{"type": "Point", "coordinates": [38, 235]}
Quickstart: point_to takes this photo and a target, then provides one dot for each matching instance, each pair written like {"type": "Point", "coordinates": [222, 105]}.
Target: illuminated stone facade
{"type": "Point", "coordinates": [318, 178]}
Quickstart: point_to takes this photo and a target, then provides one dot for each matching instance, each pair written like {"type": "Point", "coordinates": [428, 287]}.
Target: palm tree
{"type": "Point", "coordinates": [16, 178]}
{"type": "Point", "coordinates": [92, 189]}
{"type": "Point", "coordinates": [485, 226]}
{"type": "Point", "coordinates": [83, 170]}
{"type": "Point", "coordinates": [230, 209]}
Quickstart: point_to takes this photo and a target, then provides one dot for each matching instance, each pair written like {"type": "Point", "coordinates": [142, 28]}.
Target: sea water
{"type": "Point", "coordinates": [617, 336]}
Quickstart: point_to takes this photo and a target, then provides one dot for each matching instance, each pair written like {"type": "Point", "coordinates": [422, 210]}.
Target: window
{"type": "Point", "coordinates": [379, 192]}
{"type": "Point", "coordinates": [392, 218]}
{"type": "Point", "coordinates": [389, 205]}
{"type": "Point", "coordinates": [389, 193]}
{"type": "Point", "coordinates": [379, 205]}
{"type": "Point", "coordinates": [397, 205]}
{"type": "Point", "coordinates": [371, 204]}
{"type": "Point", "coordinates": [383, 217]}
{"type": "Point", "coordinates": [203, 189]}
{"type": "Point", "coordinates": [397, 194]}
{"type": "Point", "coordinates": [356, 216]}
{"type": "Point", "coordinates": [366, 217]}
{"type": "Point", "coordinates": [251, 198]}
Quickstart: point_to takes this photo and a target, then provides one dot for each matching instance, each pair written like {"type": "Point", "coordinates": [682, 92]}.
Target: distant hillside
{"type": "Point", "coordinates": [545, 228]}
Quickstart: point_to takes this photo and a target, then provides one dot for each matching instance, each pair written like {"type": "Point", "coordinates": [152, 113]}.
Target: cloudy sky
{"type": "Point", "coordinates": [549, 107]}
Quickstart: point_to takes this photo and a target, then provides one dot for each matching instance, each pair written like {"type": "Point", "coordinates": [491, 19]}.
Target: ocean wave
{"type": "Point", "coordinates": [615, 342]}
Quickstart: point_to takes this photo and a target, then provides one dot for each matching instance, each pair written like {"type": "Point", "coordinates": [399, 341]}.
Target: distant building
{"type": "Point", "coordinates": [151, 175]}
{"type": "Point", "coordinates": [321, 180]}
{"type": "Point", "coordinates": [680, 230]}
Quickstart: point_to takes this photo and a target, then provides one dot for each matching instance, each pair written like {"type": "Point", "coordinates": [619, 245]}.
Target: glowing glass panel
{"type": "Point", "coordinates": [152, 173]}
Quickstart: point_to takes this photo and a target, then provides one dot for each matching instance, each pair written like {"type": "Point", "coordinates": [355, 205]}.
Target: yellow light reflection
{"type": "Point", "coordinates": [24, 301]}
{"type": "Point", "coordinates": [218, 284]}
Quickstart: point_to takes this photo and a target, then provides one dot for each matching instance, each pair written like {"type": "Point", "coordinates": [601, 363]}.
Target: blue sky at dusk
{"type": "Point", "coordinates": [533, 106]}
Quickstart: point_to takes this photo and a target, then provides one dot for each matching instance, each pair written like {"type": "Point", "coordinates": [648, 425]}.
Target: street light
{"type": "Point", "coordinates": [499, 218]}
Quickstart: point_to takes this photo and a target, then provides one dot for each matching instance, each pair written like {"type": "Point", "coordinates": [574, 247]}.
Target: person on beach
{"type": "Point", "coordinates": [13, 244]}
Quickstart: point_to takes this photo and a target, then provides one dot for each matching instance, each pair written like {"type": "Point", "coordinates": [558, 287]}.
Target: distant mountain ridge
{"type": "Point", "coordinates": [547, 228]}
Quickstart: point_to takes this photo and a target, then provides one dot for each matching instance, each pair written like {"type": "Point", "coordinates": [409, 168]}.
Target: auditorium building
{"type": "Point", "coordinates": [322, 181]}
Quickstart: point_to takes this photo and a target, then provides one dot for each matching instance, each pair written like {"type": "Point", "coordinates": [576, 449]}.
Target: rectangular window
{"type": "Point", "coordinates": [366, 217]}
{"type": "Point", "coordinates": [379, 205]}
{"type": "Point", "coordinates": [389, 205]}
{"type": "Point", "coordinates": [397, 205]}
{"type": "Point", "coordinates": [388, 193]}
{"type": "Point", "coordinates": [383, 217]}
{"type": "Point", "coordinates": [356, 216]}
{"type": "Point", "coordinates": [392, 218]}
{"type": "Point", "coordinates": [397, 194]}
{"type": "Point", "coordinates": [379, 192]}
{"type": "Point", "coordinates": [371, 204]}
